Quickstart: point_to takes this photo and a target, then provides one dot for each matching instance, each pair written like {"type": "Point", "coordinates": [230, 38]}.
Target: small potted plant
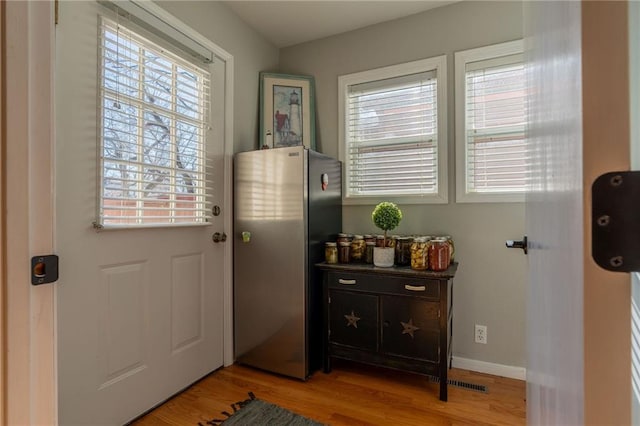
{"type": "Point", "coordinates": [386, 216]}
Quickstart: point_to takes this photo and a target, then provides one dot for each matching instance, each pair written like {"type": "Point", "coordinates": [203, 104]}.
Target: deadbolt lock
{"type": "Point", "coordinates": [218, 237]}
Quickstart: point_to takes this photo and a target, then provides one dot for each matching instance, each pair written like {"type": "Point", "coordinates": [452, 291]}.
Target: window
{"type": "Point", "coordinates": [393, 133]}
{"type": "Point", "coordinates": [490, 123]}
{"type": "Point", "coordinates": [153, 111]}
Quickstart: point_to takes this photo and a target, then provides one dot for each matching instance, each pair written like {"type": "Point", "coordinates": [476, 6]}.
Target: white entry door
{"type": "Point", "coordinates": [139, 310]}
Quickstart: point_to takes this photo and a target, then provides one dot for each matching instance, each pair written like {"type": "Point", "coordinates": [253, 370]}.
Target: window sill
{"type": "Point", "coordinates": [400, 200]}
{"type": "Point", "coordinates": [101, 228]}
{"type": "Point", "coordinates": [491, 198]}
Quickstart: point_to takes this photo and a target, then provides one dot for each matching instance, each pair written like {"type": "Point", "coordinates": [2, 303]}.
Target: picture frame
{"type": "Point", "coordinates": [287, 111]}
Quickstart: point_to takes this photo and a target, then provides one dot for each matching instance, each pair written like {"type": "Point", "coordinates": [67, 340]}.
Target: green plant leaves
{"type": "Point", "coordinates": [386, 215]}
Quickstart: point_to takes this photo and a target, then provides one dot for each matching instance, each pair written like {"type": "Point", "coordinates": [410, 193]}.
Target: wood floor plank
{"type": "Point", "coordinates": [352, 395]}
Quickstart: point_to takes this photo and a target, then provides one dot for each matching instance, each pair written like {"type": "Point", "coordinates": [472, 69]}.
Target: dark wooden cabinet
{"type": "Point", "coordinates": [393, 317]}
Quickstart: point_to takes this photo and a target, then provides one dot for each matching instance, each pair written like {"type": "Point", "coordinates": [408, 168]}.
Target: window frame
{"type": "Point", "coordinates": [462, 58]}
{"type": "Point", "coordinates": [437, 64]}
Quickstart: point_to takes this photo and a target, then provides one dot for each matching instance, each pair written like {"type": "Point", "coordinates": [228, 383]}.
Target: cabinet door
{"type": "Point", "coordinates": [410, 327]}
{"type": "Point", "coordinates": [353, 320]}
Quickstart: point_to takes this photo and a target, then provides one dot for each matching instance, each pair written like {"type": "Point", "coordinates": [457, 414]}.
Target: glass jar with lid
{"type": "Point", "coordinates": [344, 250]}
{"type": "Point", "coordinates": [344, 238]}
{"type": "Point", "coordinates": [403, 251]}
{"type": "Point", "coordinates": [331, 252]}
{"type": "Point", "coordinates": [368, 253]}
{"type": "Point", "coordinates": [439, 255]}
{"type": "Point", "coordinates": [452, 247]}
{"type": "Point", "coordinates": [357, 248]}
{"type": "Point", "coordinates": [420, 254]}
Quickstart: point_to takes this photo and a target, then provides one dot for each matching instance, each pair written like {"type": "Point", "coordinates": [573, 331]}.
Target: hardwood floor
{"type": "Point", "coordinates": [353, 395]}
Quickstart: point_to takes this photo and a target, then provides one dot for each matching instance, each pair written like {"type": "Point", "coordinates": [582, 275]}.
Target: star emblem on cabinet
{"type": "Point", "coordinates": [352, 320]}
{"type": "Point", "coordinates": [408, 327]}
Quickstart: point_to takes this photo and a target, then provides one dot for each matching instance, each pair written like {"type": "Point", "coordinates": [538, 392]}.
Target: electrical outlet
{"type": "Point", "coordinates": [481, 334]}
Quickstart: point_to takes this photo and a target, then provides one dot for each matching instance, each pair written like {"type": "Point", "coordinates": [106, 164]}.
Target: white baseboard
{"type": "Point", "coordinates": [512, 372]}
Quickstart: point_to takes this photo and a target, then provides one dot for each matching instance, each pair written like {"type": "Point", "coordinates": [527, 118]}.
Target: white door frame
{"type": "Point", "coordinates": [30, 366]}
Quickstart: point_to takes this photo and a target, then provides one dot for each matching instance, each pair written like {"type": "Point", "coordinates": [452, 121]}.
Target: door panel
{"type": "Point", "coordinates": [554, 214]}
{"type": "Point", "coordinates": [121, 321]}
{"type": "Point", "coordinates": [353, 319]}
{"type": "Point", "coordinates": [139, 310]}
{"type": "Point", "coordinates": [187, 286]}
{"type": "Point", "coordinates": [410, 327]}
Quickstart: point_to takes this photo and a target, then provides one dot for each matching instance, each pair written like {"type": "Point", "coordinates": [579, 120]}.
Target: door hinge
{"type": "Point", "coordinates": [615, 225]}
{"type": "Point", "coordinates": [329, 302]}
{"type": "Point", "coordinates": [55, 12]}
{"type": "Point", "coordinates": [44, 269]}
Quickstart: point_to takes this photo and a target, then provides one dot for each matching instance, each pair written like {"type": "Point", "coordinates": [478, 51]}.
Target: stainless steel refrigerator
{"type": "Point", "coordinates": [287, 204]}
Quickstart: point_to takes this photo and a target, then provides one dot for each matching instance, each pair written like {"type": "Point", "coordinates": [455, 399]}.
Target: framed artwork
{"type": "Point", "coordinates": [287, 111]}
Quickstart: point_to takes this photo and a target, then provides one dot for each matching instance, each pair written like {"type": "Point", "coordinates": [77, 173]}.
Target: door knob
{"type": "Point", "coordinates": [518, 244]}
{"type": "Point", "coordinates": [219, 237]}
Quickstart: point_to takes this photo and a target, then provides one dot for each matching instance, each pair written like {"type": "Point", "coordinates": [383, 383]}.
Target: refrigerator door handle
{"type": "Point", "coordinates": [349, 282]}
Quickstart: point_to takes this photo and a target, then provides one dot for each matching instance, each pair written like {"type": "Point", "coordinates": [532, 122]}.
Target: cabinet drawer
{"type": "Point", "coordinates": [416, 287]}
{"type": "Point", "coordinates": [353, 319]}
{"type": "Point", "coordinates": [410, 328]}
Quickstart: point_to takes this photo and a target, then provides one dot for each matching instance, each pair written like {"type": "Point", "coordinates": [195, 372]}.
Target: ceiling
{"type": "Point", "coordinates": [286, 23]}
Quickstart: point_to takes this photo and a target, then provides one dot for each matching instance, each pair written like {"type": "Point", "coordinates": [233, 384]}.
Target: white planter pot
{"type": "Point", "coordinates": [383, 256]}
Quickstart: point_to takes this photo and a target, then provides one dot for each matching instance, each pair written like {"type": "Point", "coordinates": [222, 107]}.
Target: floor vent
{"type": "Point", "coordinates": [461, 384]}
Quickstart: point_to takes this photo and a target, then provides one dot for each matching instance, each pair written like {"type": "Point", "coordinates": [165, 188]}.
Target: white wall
{"type": "Point", "coordinates": [489, 288]}
{"type": "Point", "coordinates": [251, 53]}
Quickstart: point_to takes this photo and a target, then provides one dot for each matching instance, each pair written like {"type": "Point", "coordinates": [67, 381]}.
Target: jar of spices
{"type": "Point", "coordinates": [379, 240]}
{"type": "Point", "coordinates": [357, 248]}
{"type": "Point", "coordinates": [420, 254]}
{"type": "Point", "coordinates": [403, 251]}
{"type": "Point", "coordinates": [391, 241]}
{"type": "Point", "coordinates": [439, 256]}
{"type": "Point", "coordinates": [368, 253]}
{"type": "Point", "coordinates": [331, 252]}
{"type": "Point", "coordinates": [344, 249]}
{"type": "Point", "coordinates": [369, 238]}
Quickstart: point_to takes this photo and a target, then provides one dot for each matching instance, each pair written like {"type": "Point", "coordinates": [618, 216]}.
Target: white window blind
{"type": "Point", "coordinates": [153, 109]}
{"type": "Point", "coordinates": [495, 120]}
{"type": "Point", "coordinates": [490, 95]}
{"type": "Point", "coordinates": [391, 147]}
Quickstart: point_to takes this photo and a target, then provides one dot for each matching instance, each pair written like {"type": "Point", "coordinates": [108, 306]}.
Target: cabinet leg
{"type": "Point", "coordinates": [327, 365]}
{"type": "Point", "coordinates": [443, 390]}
